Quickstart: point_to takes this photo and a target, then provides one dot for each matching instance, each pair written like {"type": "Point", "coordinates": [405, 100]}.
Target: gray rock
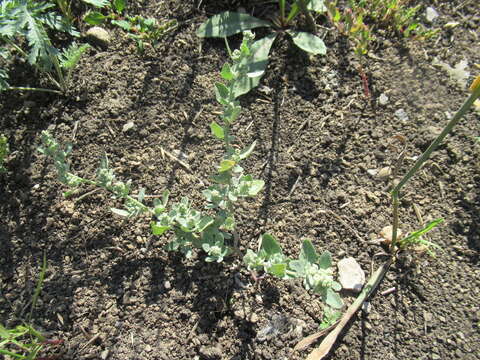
{"type": "Point", "coordinates": [351, 275]}
{"type": "Point", "coordinates": [401, 115]}
{"type": "Point", "coordinates": [99, 36]}
{"type": "Point", "coordinates": [431, 14]}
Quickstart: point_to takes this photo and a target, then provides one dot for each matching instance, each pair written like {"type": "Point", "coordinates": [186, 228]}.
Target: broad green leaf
{"type": "Point", "coordinates": [255, 187]}
{"type": "Point", "coordinates": [94, 18]}
{"type": "Point", "coordinates": [165, 196]}
{"type": "Point", "coordinates": [308, 252]}
{"type": "Point", "coordinates": [256, 65]}
{"type": "Point", "coordinates": [308, 42]}
{"type": "Point", "coordinates": [278, 270]}
{"type": "Point", "coordinates": [217, 130]}
{"type": "Point", "coordinates": [298, 266]}
{"type": "Point", "coordinates": [246, 152]}
{"type": "Point", "coordinates": [229, 23]}
{"type": "Point", "coordinates": [204, 223]}
{"type": "Point", "coordinates": [221, 93]}
{"type": "Point", "coordinates": [325, 260]}
{"type": "Point", "coordinates": [226, 72]}
{"type": "Point", "coordinates": [270, 245]}
{"type": "Point", "coordinates": [124, 24]}
{"type": "Point", "coordinates": [98, 3]}
{"type": "Point", "coordinates": [226, 165]}
{"type": "Point", "coordinates": [333, 299]}
{"type": "Point", "coordinates": [119, 5]}
{"type": "Point", "coordinates": [120, 212]}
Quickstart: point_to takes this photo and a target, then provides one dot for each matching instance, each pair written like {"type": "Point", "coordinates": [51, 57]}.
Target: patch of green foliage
{"type": "Point", "coordinates": [360, 20]}
{"type": "Point", "coordinates": [23, 29]}
{"type": "Point", "coordinates": [4, 150]}
{"type": "Point", "coordinates": [229, 23]}
{"type": "Point", "coordinates": [315, 270]}
{"type": "Point", "coordinates": [191, 228]}
{"type": "Point", "coordinates": [138, 28]}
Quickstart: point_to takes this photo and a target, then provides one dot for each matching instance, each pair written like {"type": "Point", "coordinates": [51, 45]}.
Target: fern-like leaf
{"type": "Point", "coordinates": [4, 85]}
{"type": "Point", "coordinates": [70, 56]}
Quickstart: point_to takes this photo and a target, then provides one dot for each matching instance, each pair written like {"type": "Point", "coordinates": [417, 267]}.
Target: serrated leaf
{"type": "Point", "coordinates": [325, 260]}
{"type": "Point", "coordinates": [94, 18]}
{"type": "Point", "coordinates": [226, 72]}
{"type": "Point", "coordinates": [308, 42]}
{"type": "Point", "coordinates": [70, 57]}
{"type": "Point", "coordinates": [97, 3]}
{"type": "Point", "coordinates": [256, 65]}
{"type": "Point", "coordinates": [217, 130]}
{"type": "Point", "coordinates": [158, 229]}
{"type": "Point", "coordinates": [119, 5]}
{"type": "Point", "coordinates": [120, 212]}
{"type": "Point", "coordinates": [229, 23]}
{"type": "Point", "coordinates": [333, 299]}
{"type": "Point", "coordinates": [226, 165]}
{"type": "Point", "coordinates": [308, 252]}
{"type": "Point", "coordinates": [270, 245]}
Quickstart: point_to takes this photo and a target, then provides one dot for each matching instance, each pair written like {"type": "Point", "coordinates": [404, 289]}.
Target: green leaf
{"type": "Point", "coordinates": [119, 5]}
{"type": "Point", "coordinates": [70, 57]}
{"type": "Point", "coordinates": [416, 234]}
{"type": "Point", "coordinates": [229, 23]}
{"type": "Point", "coordinates": [120, 212]}
{"type": "Point", "coordinates": [336, 286]}
{"type": "Point", "coordinates": [124, 24]}
{"type": "Point", "coordinates": [325, 260]}
{"type": "Point", "coordinates": [256, 65]}
{"type": "Point", "coordinates": [217, 130]}
{"type": "Point", "coordinates": [94, 18]}
{"type": "Point", "coordinates": [255, 187]}
{"type": "Point", "coordinates": [317, 6]}
{"type": "Point", "coordinates": [308, 252]}
{"type": "Point", "coordinates": [278, 270]}
{"type": "Point", "coordinates": [308, 42]}
{"type": "Point", "coordinates": [226, 72]}
{"type": "Point", "coordinates": [204, 223]}
{"type": "Point", "coordinates": [222, 93]}
{"type": "Point", "coordinates": [246, 152]}
{"type": "Point", "coordinates": [97, 3]}
{"type": "Point", "coordinates": [333, 299]}
{"type": "Point", "coordinates": [226, 165]}
{"type": "Point", "coordinates": [270, 245]}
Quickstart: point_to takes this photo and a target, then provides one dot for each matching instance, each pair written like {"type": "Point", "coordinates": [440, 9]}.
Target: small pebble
{"type": "Point", "coordinates": [401, 115]}
{"type": "Point", "coordinates": [431, 14]}
{"type": "Point", "coordinates": [383, 99]}
{"type": "Point", "coordinates": [351, 275]}
{"type": "Point", "coordinates": [129, 125]}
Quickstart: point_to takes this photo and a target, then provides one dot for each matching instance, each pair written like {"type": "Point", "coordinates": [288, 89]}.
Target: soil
{"type": "Point", "coordinates": [112, 292]}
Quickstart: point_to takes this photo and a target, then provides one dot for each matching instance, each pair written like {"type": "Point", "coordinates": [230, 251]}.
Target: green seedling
{"type": "Point", "coordinates": [398, 244]}
{"type": "Point", "coordinates": [229, 23]}
{"type": "Point", "coordinates": [30, 20]}
{"type": "Point", "coordinates": [315, 270]}
{"type": "Point", "coordinates": [191, 228]}
{"type": "Point", "coordinates": [142, 30]}
{"type": "Point", "coordinates": [4, 151]}
{"type": "Point", "coordinates": [329, 318]}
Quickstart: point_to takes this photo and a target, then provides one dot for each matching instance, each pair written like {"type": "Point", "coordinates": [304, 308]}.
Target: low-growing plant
{"type": "Point", "coordinates": [23, 30]}
{"type": "Point", "coordinates": [191, 228]}
{"type": "Point", "coordinates": [315, 270]}
{"type": "Point", "coordinates": [138, 28]}
{"type": "Point", "coordinates": [229, 23]}
{"type": "Point", "coordinates": [4, 150]}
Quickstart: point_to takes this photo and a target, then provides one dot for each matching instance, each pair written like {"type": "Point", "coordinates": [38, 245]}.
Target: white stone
{"type": "Point", "coordinates": [351, 275]}
{"type": "Point", "coordinates": [129, 125]}
{"type": "Point", "coordinates": [431, 14]}
{"type": "Point", "coordinates": [99, 35]}
{"type": "Point", "coordinates": [383, 99]}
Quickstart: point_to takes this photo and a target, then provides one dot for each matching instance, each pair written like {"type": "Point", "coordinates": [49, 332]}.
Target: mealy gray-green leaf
{"type": "Point", "coordinates": [308, 252]}
{"type": "Point", "coordinates": [257, 65]}
{"type": "Point", "coordinates": [333, 299]}
{"type": "Point", "coordinates": [229, 23]}
{"type": "Point", "coordinates": [325, 260]}
{"type": "Point", "coordinates": [270, 245]}
{"type": "Point", "coordinates": [308, 42]}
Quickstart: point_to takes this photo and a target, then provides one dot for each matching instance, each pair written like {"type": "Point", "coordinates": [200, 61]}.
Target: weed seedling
{"type": "Point", "coordinates": [191, 228]}
{"type": "Point", "coordinates": [138, 28]}
{"type": "Point", "coordinates": [398, 244]}
{"type": "Point", "coordinates": [30, 19]}
{"type": "Point", "coordinates": [229, 23]}
{"type": "Point", "coordinates": [4, 150]}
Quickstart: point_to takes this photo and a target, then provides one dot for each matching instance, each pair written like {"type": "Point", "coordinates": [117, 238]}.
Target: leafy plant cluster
{"type": "Point", "coordinates": [138, 28]}
{"type": "Point", "coordinates": [360, 19]}
{"type": "Point", "coordinates": [24, 26]}
{"type": "Point", "coordinates": [21, 342]}
{"type": "Point", "coordinates": [315, 270]}
{"type": "Point", "coordinates": [191, 228]}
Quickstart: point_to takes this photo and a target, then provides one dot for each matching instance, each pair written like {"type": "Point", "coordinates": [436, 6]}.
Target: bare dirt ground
{"type": "Point", "coordinates": [321, 146]}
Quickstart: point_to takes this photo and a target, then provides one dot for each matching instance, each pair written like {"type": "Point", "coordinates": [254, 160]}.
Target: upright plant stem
{"type": "Point", "coordinates": [425, 156]}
